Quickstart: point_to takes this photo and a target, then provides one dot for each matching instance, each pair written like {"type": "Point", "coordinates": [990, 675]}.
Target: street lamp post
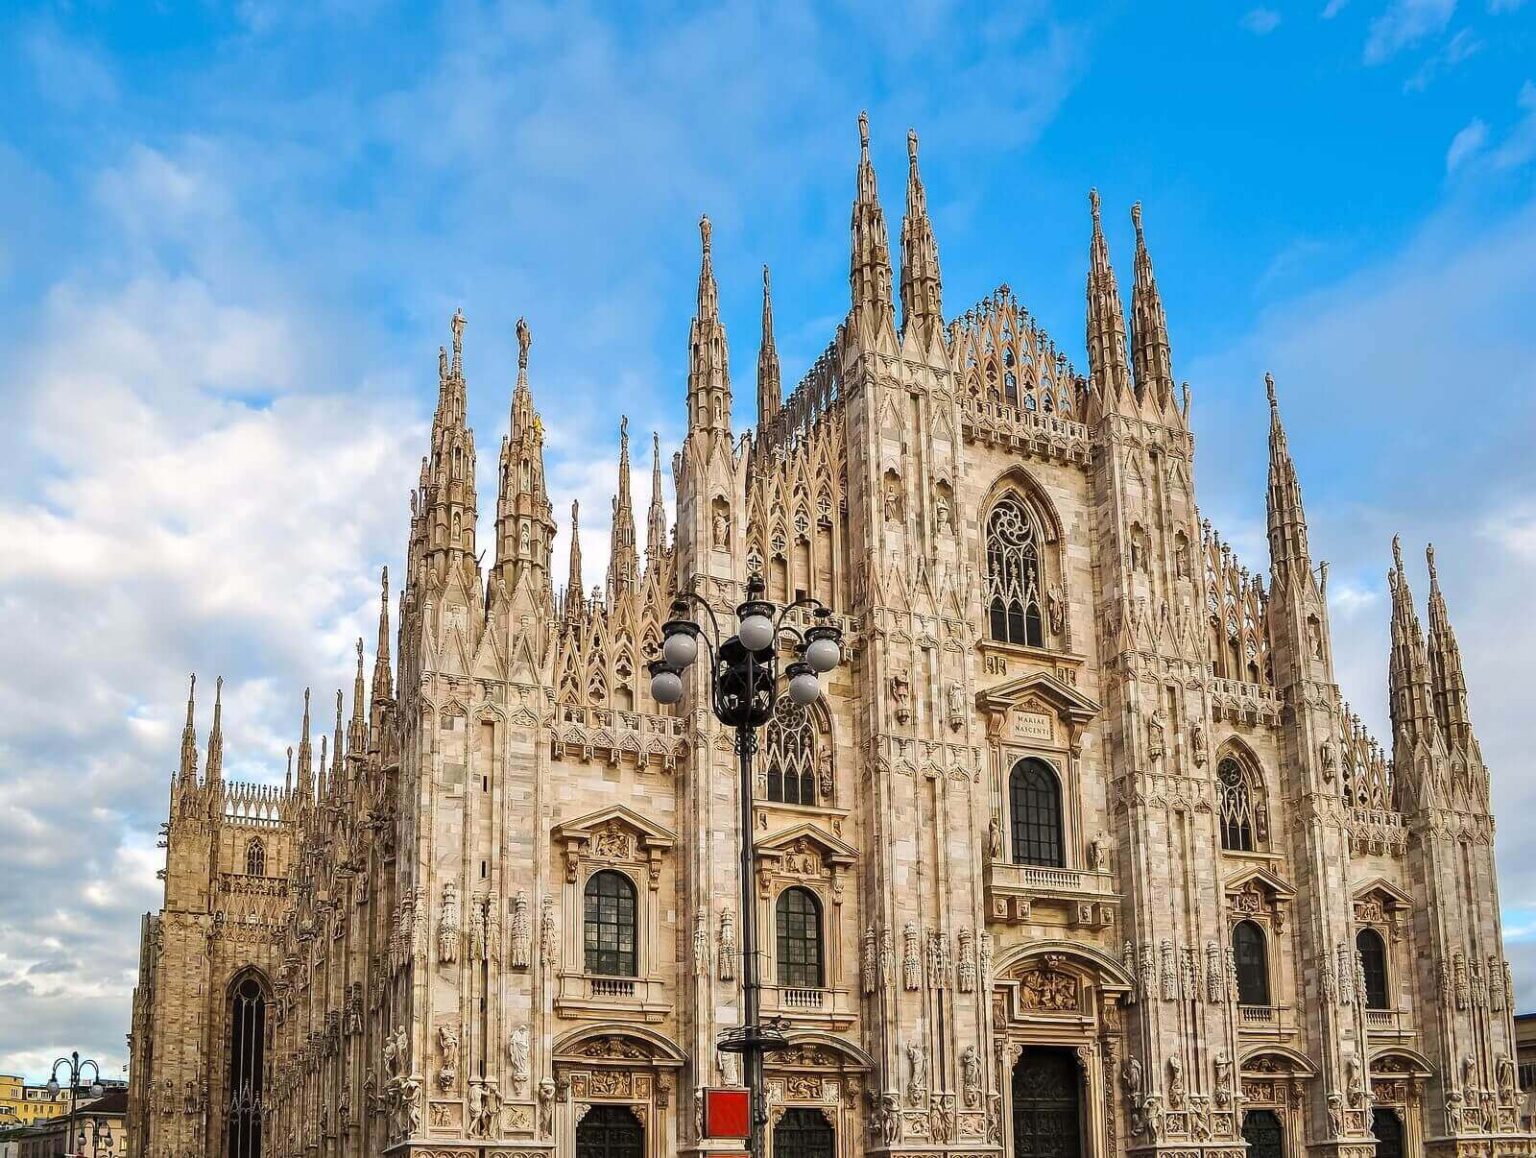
{"type": "Point", "coordinates": [76, 1067]}
{"type": "Point", "coordinates": [101, 1138]}
{"type": "Point", "coordinates": [744, 677]}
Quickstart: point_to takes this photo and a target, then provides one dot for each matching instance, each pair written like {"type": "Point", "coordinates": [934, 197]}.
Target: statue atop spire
{"type": "Point", "coordinates": [922, 310]}
{"type": "Point", "coordinates": [383, 688]}
{"type": "Point", "coordinates": [215, 771]}
{"type": "Point", "coordinates": [525, 520]}
{"type": "Point", "coordinates": [709, 376]}
{"type": "Point", "coordinates": [1448, 681]}
{"type": "Point", "coordinates": [573, 582]}
{"type": "Point", "coordinates": [306, 771]}
{"type": "Point", "coordinates": [770, 386]}
{"type": "Point", "coordinates": [1149, 330]}
{"type": "Point", "coordinates": [1106, 319]}
{"type": "Point", "coordinates": [524, 340]}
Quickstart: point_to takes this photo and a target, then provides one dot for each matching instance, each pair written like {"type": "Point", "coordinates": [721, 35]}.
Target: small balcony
{"type": "Point", "coordinates": [1266, 1022]}
{"type": "Point", "coordinates": [1389, 1024]}
{"type": "Point", "coordinates": [1013, 890]}
{"type": "Point", "coordinates": [833, 1008]}
{"type": "Point", "coordinates": [597, 995]}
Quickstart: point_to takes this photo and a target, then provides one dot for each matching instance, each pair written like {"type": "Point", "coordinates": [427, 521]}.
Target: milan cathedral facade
{"type": "Point", "coordinates": [1081, 854]}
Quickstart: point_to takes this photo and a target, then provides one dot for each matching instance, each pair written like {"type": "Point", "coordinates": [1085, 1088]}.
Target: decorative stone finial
{"type": "Point", "coordinates": [912, 146]}
{"type": "Point", "coordinates": [524, 340]}
{"type": "Point", "coordinates": [704, 231]}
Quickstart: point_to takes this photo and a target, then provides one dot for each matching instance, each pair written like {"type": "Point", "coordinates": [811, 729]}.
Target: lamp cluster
{"type": "Point", "coordinates": [746, 664]}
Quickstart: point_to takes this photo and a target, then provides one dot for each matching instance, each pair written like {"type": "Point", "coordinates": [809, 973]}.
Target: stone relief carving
{"type": "Point", "coordinates": [867, 961]}
{"type": "Point", "coordinates": [911, 967]}
{"type": "Point", "coordinates": [727, 954]}
{"type": "Point", "coordinates": [967, 972]}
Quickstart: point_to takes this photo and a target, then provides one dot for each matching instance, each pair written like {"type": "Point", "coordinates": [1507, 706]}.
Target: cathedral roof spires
{"type": "Point", "coordinates": [189, 735]}
{"type": "Point", "coordinates": [1149, 329]}
{"type": "Point", "coordinates": [306, 772]}
{"type": "Point", "coordinates": [1106, 320]}
{"type": "Point", "coordinates": [623, 562]}
{"type": "Point", "coordinates": [215, 770]}
{"type": "Point", "coordinates": [709, 374]}
{"type": "Point", "coordinates": [656, 519]}
{"type": "Point", "coordinates": [1413, 717]}
{"type": "Point", "coordinates": [573, 588]}
{"type": "Point", "coordinates": [770, 386]}
{"type": "Point", "coordinates": [382, 683]}
{"type": "Point", "coordinates": [446, 500]}
{"type": "Point", "coordinates": [337, 776]}
{"type": "Point", "coordinates": [357, 729]}
{"type": "Point", "coordinates": [869, 274]}
{"type": "Point", "coordinates": [1448, 682]}
{"type": "Point", "coordinates": [922, 310]}
{"type": "Point", "coordinates": [1289, 557]}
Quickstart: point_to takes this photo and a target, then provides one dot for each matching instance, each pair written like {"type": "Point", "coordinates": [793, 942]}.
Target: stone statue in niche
{"type": "Point", "coordinates": [1156, 728]}
{"type": "Point", "coordinates": [955, 699]}
{"type": "Point", "coordinates": [720, 526]}
{"type": "Point", "coordinates": [917, 1073]}
{"type": "Point", "coordinates": [1326, 760]}
{"type": "Point", "coordinates": [518, 1055]}
{"type": "Point", "coordinates": [1056, 608]}
{"type": "Point", "coordinates": [448, 1053]}
{"type": "Point", "coordinates": [1175, 1083]}
{"type": "Point", "coordinates": [942, 515]}
{"type": "Point", "coordinates": [995, 838]}
{"type": "Point", "coordinates": [970, 1076]}
{"type": "Point", "coordinates": [1197, 745]}
{"type": "Point", "coordinates": [892, 499]}
{"type": "Point", "coordinates": [1098, 853]}
{"type": "Point", "coordinates": [901, 697]}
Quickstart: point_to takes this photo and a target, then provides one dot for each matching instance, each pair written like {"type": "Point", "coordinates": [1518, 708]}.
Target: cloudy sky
{"type": "Point", "coordinates": [231, 237]}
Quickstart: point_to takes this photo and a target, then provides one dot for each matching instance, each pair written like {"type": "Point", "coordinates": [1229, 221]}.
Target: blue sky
{"type": "Point", "coordinates": [231, 237]}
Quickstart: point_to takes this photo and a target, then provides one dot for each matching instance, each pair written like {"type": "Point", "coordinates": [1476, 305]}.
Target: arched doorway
{"type": "Point", "coordinates": [1264, 1134]}
{"type": "Point", "coordinates": [1388, 1128]}
{"type": "Point", "coordinates": [1047, 1105]}
{"type": "Point", "coordinates": [804, 1133]}
{"type": "Point", "coordinates": [610, 1132]}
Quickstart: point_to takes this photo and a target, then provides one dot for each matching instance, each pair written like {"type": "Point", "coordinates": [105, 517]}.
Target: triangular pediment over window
{"type": "Point", "coordinates": [832, 850]}
{"type": "Point", "coordinates": [1036, 706]}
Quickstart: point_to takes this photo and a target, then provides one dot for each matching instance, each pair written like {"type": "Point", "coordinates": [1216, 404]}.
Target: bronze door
{"type": "Point", "coordinates": [803, 1133]}
{"type": "Point", "coordinates": [1264, 1134]}
{"type": "Point", "coordinates": [610, 1132]}
{"type": "Point", "coordinates": [1047, 1105]}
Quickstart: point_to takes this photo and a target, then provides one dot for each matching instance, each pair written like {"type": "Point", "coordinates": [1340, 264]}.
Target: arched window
{"type": "Point", "coordinates": [1248, 951]}
{"type": "Point", "coordinates": [1373, 958]}
{"type": "Point", "coordinates": [255, 858]}
{"type": "Point", "coordinates": [247, 1065]}
{"type": "Point", "coordinates": [1236, 802]}
{"type": "Point", "coordinates": [797, 921]}
{"type": "Point", "coordinates": [1264, 1134]}
{"type": "Point", "coordinates": [1013, 574]}
{"type": "Point", "coordinates": [610, 924]}
{"type": "Point", "coordinates": [791, 752]}
{"type": "Point", "coordinates": [1034, 798]}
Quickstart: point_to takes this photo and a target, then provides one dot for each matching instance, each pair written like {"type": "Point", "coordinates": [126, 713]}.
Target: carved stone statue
{"type": "Point", "coordinates": [1354, 1080]}
{"type": "Point", "coordinates": [942, 516]}
{"type": "Point", "coordinates": [721, 527]}
{"type": "Point", "coordinates": [1130, 1077]}
{"type": "Point", "coordinates": [917, 1073]}
{"type": "Point", "coordinates": [901, 697]}
{"type": "Point", "coordinates": [1056, 608]}
{"type": "Point", "coordinates": [995, 838]}
{"type": "Point", "coordinates": [970, 1076]}
{"type": "Point", "coordinates": [546, 1107]}
{"type": "Point", "coordinates": [1223, 1065]}
{"type": "Point", "coordinates": [1098, 853]}
{"type": "Point", "coordinates": [1156, 727]}
{"type": "Point", "coordinates": [448, 1054]}
{"type": "Point", "coordinates": [518, 1056]}
{"type": "Point", "coordinates": [955, 699]}
{"type": "Point", "coordinates": [1175, 1083]}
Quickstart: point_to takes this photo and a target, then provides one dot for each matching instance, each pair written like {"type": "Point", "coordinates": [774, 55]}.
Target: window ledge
{"type": "Point", "coordinates": [601, 995]}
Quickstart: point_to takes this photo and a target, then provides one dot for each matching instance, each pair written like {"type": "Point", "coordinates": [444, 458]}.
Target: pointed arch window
{"type": "Point", "coordinates": [1013, 574]}
{"type": "Point", "coordinates": [1034, 798]}
{"type": "Point", "coordinates": [609, 931]}
{"type": "Point", "coordinates": [797, 925]}
{"type": "Point", "coordinates": [1236, 805]}
{"type": "Point", "coordinates": [247, 1068]}
{"type": "Point", "coordinates": [1373, 960]}
{"type": "Point", "coordinates": [1251, 955]}
{"type": "Point", "coordinates": [791, 754]}
{"type": "Point", "coordinates": [255, 858]}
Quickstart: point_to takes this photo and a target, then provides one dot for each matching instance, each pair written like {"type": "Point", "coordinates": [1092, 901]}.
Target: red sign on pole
{"type": "Point", "coordinates": [726, 1113]}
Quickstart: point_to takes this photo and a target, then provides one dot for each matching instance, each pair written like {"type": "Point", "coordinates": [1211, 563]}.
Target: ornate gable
{"type": "Point", "coordinates": [617, 834]}
{"type": "Point", "coordinates": [1036, 707]}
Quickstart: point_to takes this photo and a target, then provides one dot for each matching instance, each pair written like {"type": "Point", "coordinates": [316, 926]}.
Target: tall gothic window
{"type": "Point", "coordinates": [797, 921]}
{"type": "Point", "coordinates": [609, 925]}
{"type": "Point", "coordinates": [255, 858]}
{"type": "Point", "coordinates": [247, 1061]}
{"type": "Point", "coordinates": [1013, 574]}
{"type": "Point", "coordinates": [1373, 956]}
{"type": "Point", "coordinates": [791, 751]}
{"type": "Point", "coordinates": [1252, 959]}
{"type": "Point", "coordinates": [1034, 798]}
{"type": "Point", "coordinates": [1236, 806]}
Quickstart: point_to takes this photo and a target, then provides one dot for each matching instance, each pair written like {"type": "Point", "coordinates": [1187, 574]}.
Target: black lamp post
{"type": "Point", "coordinates": [100, 1138]}
{"type": "Point", "coordinates": [744, 676]}
{"type": "Point", "coordinates": [76, 1067]}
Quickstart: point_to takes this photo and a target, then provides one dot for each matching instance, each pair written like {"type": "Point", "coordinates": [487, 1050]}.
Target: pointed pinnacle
{"type": "Point", "coordinates": [191, 699]}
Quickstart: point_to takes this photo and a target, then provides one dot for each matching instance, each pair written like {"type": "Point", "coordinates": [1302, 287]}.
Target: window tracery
{"type": "Point", "coordinates": [255, 858]}
{"type": "Point", "coordinates": [790, 749]}
{"type": "Point", "coordinates": [1236, 810]}
{"type": "Point", "coordinates": [1013, 574]}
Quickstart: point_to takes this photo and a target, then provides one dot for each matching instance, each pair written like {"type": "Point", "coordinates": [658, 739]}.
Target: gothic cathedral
{"type": "Point", "coordinates": [1081, 854]}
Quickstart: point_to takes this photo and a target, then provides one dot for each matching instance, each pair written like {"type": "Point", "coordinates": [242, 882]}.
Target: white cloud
{"type": "Point", "coordinates": [1404, 24]}
{"type": "Point", "coordinates": [1261, 21]}
{"type": "Point", "coordinates": [1460, 48]}
{"type": "Point", "coordinates": [1333, 8]}
{"type": "Point", "coordinates": [1466, 144]}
